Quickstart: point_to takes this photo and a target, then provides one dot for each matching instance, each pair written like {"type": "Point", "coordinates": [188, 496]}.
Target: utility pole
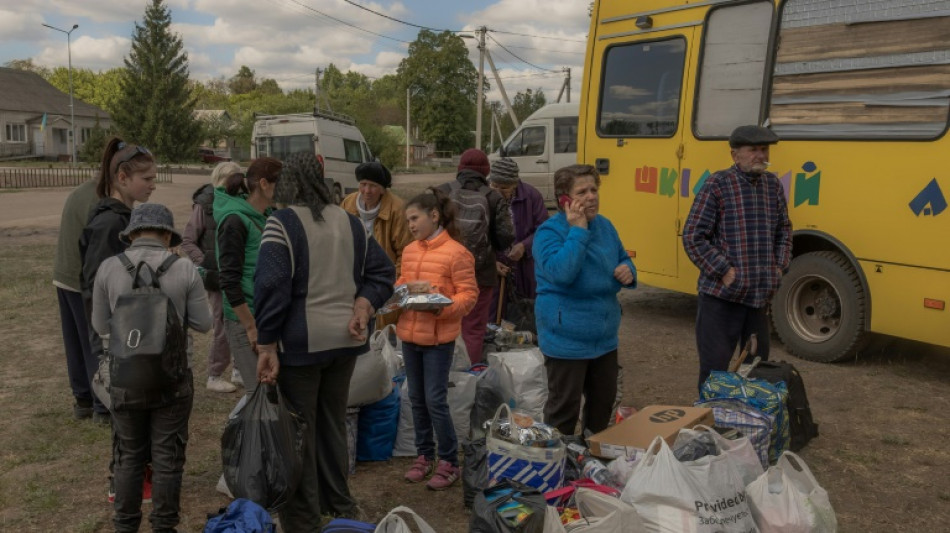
{"type": "Point", "coordinates": [316, 90]}
{"type": "Point", "coordinates": [501, 87]}
{"type": "Point", "coordinates": [72, 109]}
{"type": "Point", "coordinates": [408, 89]}
{"type": "Point", "coordinates": [566, 85]}
{"type": "Point", "coordinates": [481, 86]}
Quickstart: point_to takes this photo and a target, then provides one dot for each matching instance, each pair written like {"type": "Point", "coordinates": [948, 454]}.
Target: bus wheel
{"type": "Point", "coordinates": [819, 309]}
{"type": "Point", "coordinates": [337, 194]}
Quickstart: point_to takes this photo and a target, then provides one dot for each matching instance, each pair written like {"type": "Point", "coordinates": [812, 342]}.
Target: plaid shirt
{"type": "Point", "coordinates": [739, 221]}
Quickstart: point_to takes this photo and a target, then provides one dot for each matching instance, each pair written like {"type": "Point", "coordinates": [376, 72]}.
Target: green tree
{"type": "Point", "coordinates": [445, 84]}
{"type": "Point", "coordinates": [524, 103]}
{"type": "Point", "coordinates": [101, 89]}
{"type": "Point", "coordinates": [91, 151]}
{"type": "Point", "coordinates": [156, 106]}
{"type": "Point", "coordinates": [243, 82]}
{"type": "Point", "coordinates": [28, 65]}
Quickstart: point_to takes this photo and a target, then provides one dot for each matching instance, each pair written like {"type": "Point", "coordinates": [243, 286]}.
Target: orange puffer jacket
{"type": "Point", "coordinates": [450, 268]}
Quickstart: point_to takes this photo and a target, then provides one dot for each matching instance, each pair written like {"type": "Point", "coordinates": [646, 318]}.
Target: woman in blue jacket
{"type": "Point", "coordinates": [580, 265]}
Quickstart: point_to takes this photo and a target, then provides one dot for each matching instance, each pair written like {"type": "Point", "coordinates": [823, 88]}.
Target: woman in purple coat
{"type": "Point", "coordinates": [527, 213]}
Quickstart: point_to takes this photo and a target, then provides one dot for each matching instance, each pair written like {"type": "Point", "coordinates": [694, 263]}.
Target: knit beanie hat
{"type": "Point", "coordinates": [475, 159]}
{"type": "Point", "coordinates": [504, 172]}
{"type": "Point", "coordinates": [375, 172]}
{"type": "Point", "coordinates": [153, 217]}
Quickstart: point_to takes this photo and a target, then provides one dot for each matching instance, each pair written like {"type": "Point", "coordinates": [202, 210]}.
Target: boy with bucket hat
{"type": "Point", "coordinates": [160, 424]}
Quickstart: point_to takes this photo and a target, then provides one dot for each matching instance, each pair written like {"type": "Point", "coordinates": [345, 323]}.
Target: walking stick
{"type": "Point", "coordinates": [501, 300]}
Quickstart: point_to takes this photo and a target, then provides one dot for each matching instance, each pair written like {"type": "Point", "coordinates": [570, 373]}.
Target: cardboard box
{"type": "Point", "coordinates": [637, 432]}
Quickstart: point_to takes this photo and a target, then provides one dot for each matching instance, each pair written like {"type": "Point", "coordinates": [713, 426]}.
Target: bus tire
{"type": "Point", "coordinates": [820, 308]}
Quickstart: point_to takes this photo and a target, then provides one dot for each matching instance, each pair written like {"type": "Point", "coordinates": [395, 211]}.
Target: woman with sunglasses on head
{"type": "Point", "coordinates": [240, 210]}
{"type": "Point", "coordinates": [127, 176]}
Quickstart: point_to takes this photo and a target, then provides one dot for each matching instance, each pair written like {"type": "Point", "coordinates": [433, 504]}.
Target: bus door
{"type": "Point", "coordinates": [635, 135]}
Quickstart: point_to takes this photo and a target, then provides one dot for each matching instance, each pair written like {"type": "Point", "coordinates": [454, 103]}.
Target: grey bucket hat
{"type": "Point", "coordinates": [152, 216]}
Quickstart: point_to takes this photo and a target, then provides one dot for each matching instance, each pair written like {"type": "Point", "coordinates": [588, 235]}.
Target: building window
{"type": "Point", "coordinates": [85, 134]}
{"type": "Point", "coordinates": [16, 133]}
{"type": "Point", "coordinates": [640, 94]}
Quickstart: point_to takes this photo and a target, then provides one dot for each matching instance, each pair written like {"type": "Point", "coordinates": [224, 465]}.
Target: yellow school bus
{"type": "Point", "coordinates": [859, 94]}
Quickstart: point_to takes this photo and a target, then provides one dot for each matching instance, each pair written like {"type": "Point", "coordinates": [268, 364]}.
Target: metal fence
{"type": "Point", "coordinates": [39, 177]}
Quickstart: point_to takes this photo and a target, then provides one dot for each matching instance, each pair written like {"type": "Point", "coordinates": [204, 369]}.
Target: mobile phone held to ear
{"type": "Point", "coordinates": [564, 200]}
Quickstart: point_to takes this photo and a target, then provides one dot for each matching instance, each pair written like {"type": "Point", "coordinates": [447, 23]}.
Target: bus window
{"type": "Point", "coordinates": [732, 72]}
{"type": "Point", "coordinates": [856, 72]}
{"type": "Point", "coordinates": [565, 135]}
{"type": "Point", "coordinates": [640, 93]}
{"type": "Point", "coordinates": [353, 151]}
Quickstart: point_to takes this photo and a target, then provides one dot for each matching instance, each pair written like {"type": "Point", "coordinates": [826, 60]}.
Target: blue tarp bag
{"type": "Point", "coordinates": [242, 516]}
{"type": "Point", "coordinates": [377, 428]}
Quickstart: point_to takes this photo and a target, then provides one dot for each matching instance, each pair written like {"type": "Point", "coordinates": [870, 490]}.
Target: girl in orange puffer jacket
{"type": "Point", "coordinates": [434, 262]}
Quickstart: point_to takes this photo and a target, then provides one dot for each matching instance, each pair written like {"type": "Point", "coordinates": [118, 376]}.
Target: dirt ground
{"type": "Point", "coordinates": [884, 418]}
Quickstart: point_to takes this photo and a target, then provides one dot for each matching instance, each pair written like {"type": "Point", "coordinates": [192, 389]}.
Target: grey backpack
{"type": "Point", "coordinates": [471, 218]}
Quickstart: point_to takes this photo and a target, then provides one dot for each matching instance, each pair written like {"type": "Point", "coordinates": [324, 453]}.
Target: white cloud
{"type": "Point", "coordinates": [15, 26]}
{"type": "Point", "coordinates": [88, 52]}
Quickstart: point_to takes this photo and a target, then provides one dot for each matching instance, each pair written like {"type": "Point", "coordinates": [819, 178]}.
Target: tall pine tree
{"type": "Point", "coordinates": [156, 107]}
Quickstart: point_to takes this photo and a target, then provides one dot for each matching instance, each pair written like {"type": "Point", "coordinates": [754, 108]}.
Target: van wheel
{"type": "Point", "coordinates": [819, 310]}
{"type": "Point", "coordinates": [337, 194]}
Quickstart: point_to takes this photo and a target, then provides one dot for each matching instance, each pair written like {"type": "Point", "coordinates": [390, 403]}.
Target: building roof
{"type": "Point", "coordinates": [25, 91]}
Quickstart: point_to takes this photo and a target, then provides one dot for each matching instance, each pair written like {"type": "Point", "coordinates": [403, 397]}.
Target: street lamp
{"type": "Point", "coordinates": [72, 110]}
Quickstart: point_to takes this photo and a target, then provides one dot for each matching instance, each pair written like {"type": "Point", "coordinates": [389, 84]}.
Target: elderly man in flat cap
{"type": "Point", "coordinates": [739, 236]}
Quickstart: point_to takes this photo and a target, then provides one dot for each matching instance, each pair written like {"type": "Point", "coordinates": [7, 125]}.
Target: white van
{"type": "Point", "coordinates": [333, 137]}
{"type": "Point", "coordinates": [545, 142]}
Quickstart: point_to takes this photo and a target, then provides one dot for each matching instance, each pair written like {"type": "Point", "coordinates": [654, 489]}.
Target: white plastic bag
{"type": "Point", "coordinates": [391, 353]}
{"type": "Point", "coordinates": [460, 360]}
{"type": "Point", "coordinates": [611, 514]}
{"type": "Point", "coordinates": [788, 499]}
{"type": "Point", "coordinates": [405, 435]}
{"type": "Point", "coordinates": [528, 377]}
{"type": "Point", "coordinates": [373, 375]}
{"type": "Point", "coordinates": [739, 450]}
{"type": "Point", "coordinates": [395, 523]}
{"type": "Point", "coordinates": [702, 496]}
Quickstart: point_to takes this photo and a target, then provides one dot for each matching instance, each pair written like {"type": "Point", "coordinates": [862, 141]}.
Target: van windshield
{"type": "Point", "coordinates": [282, 147]}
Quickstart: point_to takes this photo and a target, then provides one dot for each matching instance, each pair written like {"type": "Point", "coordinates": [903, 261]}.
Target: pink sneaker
{"type": "Point", "coordinates": [420, 470]}
{"type": "Point", "coordinates": [445, 476]}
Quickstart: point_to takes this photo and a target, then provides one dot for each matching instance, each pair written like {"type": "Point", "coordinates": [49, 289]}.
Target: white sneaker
{"type": "Point", "coordinates": [219, 384]}
{"type": "Point", "coordinates": [236, 377]}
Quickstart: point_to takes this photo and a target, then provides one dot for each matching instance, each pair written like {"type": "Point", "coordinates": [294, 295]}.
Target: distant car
{"type": "Point", "coordinates": [207, 155]}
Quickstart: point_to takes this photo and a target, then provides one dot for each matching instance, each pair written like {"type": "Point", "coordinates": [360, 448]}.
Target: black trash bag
{"type": "Point", "coordinates": [520, 310]}
{"type": "Point", "coordinates": [502, 508]}
{"type": "Point", "coordinates": [493, 387]}
{"type": "Point", "coordinates": [262, 449]}
{"type": "Point", "coordinates": [474, 470]}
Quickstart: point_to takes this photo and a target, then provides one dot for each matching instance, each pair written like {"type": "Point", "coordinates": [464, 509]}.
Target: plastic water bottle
{"type": "Point", "coordinates": [596, 471]}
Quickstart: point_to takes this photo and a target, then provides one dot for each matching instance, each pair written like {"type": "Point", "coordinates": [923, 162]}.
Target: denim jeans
{"type": "Point", "coordinates": [722, 327]}
{"type": "Point", "coordinates": [427, 375]}
{"type": "Point", "coordinates": [164, 431]}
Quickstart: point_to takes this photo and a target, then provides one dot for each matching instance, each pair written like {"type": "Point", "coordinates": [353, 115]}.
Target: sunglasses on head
{"type": "Point", "coordinates": [129, 156]}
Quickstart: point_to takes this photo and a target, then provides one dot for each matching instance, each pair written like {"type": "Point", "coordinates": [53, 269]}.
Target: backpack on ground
{"type": "Point", "coordinates": [241, 516]}
{"type": "Point", "coordinates": [348, 525]}
{"type": "Point", "coordinates": [472, 219]}
{"type": "Point", "coordinates": [802, 427]}
{"type": "Point", "coordinates": [147, 340]}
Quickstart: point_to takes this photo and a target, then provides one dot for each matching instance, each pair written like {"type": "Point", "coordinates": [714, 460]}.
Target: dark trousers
{"type": "Point", "coordinates": [568, 380]}
{"type": "Point", "coordinates": [163, 432]}
{"type": "Point", "coordinates": [475, 323]}
{"type": "Point", "coordinates": [722, 327]}
{"type": "Point", "coordinates": [318, 393]}
{"type": "Point", "coordinates": [72, 314]}
{"type": "Point", "coordinates": [427, 375]}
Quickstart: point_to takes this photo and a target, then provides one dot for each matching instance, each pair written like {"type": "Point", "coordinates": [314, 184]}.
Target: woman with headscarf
{"type": "Point", "coordinates": [319, 280]}
{"type": "Point", "coordinates": [198, 241]}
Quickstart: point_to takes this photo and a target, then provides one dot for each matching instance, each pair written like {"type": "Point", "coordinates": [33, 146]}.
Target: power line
{"type": "Point", "coordinates": [538, 36]}
{"type": "Point", "coordinates": [394, 19]}
{"type": "Point", "coordinates": [345, 23]}
{"type": "Point", "coordinates": [515, 55]}
{"type": "Point", "coordinates": [546, 50]}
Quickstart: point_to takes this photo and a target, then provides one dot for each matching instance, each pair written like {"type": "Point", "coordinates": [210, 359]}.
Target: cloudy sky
{"type": "Point", "coordinates": [287, 39]}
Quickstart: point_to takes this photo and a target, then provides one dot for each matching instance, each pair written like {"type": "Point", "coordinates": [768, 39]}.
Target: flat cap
{"type": "Point", "coordinates": [752, 136]}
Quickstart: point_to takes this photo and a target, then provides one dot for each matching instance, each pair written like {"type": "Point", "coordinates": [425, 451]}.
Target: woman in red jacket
{"type": "Point", "coordinates": [434, 262]}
